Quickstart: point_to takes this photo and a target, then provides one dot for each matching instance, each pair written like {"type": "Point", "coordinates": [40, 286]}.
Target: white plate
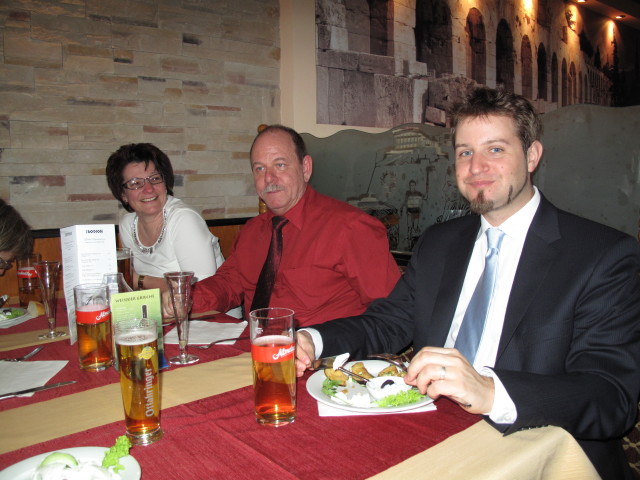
{"type": "Point", "coordinates": [314, 387]}
{"type": "Point", "coordinates": [25, 469]}
{"type": "Point", "coordinates": [10, 322]}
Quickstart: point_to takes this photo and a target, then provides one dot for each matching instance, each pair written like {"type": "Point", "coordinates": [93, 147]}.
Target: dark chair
{"type": "Point", "coordinates": [631, 445]}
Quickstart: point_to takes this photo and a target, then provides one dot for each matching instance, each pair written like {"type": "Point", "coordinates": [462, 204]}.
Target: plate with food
{"type": "Point", "coordinates": [11, 315]}
{"type": "Point", "coordinates": [81, 463]}
{"type": "Point", "coordinates": [385, 392]}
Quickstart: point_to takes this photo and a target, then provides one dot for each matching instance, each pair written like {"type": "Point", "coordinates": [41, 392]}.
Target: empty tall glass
{"type": "Point", "coordinates": [47, 271]}
{"type": "Point", "coordinates": [179, 284]}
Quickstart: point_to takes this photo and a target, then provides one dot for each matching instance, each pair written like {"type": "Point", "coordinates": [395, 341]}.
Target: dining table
{"type": "Point", "coordinates": [210, 430]}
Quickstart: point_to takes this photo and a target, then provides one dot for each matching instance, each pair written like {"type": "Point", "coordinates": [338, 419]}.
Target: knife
{"type": "Point", "coordinates": [36, 389]}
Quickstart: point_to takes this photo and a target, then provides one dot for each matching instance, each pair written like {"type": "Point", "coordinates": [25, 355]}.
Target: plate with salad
{"type": "Point", "coordinates": [82, 463]}
{"type": "Point", "coordinates": [386, 392]}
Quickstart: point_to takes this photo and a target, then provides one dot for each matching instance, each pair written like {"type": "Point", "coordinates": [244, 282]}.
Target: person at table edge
{"type": "Point", "coordinates": [335, 258]}
{"type": "Point", "coordinates": [15, 236]}
{"type": "Point", "coordinates": [163, 233]}
{"type": "Point", "coordinates": [561, 345]}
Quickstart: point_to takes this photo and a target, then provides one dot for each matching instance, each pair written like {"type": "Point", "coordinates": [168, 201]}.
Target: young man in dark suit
{"type": "Point", "coordinates": [560, 341]}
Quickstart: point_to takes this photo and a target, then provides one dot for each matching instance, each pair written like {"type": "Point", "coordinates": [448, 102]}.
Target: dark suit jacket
{"type": "Point", "coordinates": [569, 353]}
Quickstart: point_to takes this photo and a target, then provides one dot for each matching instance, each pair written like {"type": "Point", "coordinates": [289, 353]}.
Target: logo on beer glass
{"type": "Point", "coordinates": [146, 353]}
{"type": "Point", "coordinates": [273, 354]}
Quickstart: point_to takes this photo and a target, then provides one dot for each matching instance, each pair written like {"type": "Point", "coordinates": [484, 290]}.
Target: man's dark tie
{"type": "Point", "coordinates": [270, 268]}
{"type": "Point", "coordinates": [475, 317]}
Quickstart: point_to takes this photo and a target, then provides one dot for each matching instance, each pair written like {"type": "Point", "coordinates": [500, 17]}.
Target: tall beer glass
{"type": "Point", "coordinates": [137, 350]}
{"type": "Point", "coordinates": [125, 264]}
{"type": "Point", "coordinates": [93, 324]}
{"type": "Point", "coordinates": [273, 351]}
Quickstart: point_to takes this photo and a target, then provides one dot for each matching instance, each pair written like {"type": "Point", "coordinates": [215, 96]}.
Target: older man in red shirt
{"type": "Point", "coordinates": [335, 259]}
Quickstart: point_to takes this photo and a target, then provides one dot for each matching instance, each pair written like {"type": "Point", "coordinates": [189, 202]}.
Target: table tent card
{"type": "Point", "coordinates": [88, 252]}
{"type": "Point", "coordinates": [142, 303]}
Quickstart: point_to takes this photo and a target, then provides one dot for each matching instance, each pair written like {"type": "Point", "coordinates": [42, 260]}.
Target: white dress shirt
{"type": "Point", "coordinates": [515, 229]}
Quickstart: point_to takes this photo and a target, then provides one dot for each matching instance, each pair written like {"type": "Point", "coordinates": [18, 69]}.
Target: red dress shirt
{"type": "Point", "coordinates": [335, 262]}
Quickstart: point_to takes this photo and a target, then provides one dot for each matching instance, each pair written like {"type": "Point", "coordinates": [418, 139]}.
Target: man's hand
{"type": "Point", "coordinates": [305, 352]}
{"type": "Point", "coordinates": [445, 372]}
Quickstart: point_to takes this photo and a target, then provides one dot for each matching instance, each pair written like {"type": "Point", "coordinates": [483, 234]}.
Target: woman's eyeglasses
{"type": "Point", "coordinates": [136, 182]}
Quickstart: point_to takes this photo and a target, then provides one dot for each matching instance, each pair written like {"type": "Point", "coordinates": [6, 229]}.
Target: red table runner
{"type": "Point", "coordinates": [63, 350]}
{"type": "Point", "coordinates": [218, 437]}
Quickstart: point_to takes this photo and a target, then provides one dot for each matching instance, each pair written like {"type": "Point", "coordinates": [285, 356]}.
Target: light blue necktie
{"type": "Point", "coordinates": [476, 315]}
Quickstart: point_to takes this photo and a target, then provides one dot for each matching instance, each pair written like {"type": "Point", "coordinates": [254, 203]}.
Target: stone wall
{"type": "Point", "coordinates": [80, 78]}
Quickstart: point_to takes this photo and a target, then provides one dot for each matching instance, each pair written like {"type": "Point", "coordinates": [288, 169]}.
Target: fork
{"type": "Point", "coordinates": [24, 357]}
{"type": "Point", "coordinates": [204, 347]}
{"type": "Point", "coordinates": [396, 360]}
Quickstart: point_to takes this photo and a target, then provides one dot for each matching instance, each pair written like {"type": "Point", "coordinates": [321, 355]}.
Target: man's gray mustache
{"type": "Point", "coordinates": [272, 188]}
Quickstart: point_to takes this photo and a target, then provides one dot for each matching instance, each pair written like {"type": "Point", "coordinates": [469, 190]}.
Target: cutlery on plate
{"type": "Point", "coordinates": [24, 357]}
{"type": "Point", "coordinates": [396, 360]}
{"type": "Point", "coordinates": [329, 362]}
{"type": "Point", "coordinates": [36, 389]}
{"type": "Point", "coordinates": [337, 363]}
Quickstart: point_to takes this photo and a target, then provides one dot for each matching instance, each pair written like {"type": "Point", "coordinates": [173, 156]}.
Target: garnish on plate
{"type": "Point", "coordinates": [116, 452]}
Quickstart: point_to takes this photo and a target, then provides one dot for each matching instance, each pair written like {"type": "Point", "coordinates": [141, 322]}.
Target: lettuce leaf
{"type": "Point", "coordinates": [329, 387]}
{"type": "Point", "coordinates": [406, 397]}
{"type": "Point", "coordinates": [118, 450]}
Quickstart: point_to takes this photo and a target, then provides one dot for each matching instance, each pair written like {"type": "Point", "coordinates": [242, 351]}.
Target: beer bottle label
{"type": "Point", "coordinates": [93, 316]}
{"type": "Point", "coordinates": [273, 354]}
{"type": "Point", "coordinates": [27, 272]}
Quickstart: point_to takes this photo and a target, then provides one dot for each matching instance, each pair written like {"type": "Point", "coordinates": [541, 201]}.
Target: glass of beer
{"type": "Point", "coordinates": [47, 271]}
{"type": "Point", "coordinates": [93, 324]}
{"type": "Point", "coordinates": [125, 264]}
{"type": "Point", "coordinates": [273, 349]}
{"type": "Point", "coordinates": [28, 287]}
{"type": "Point", "coordinates": [137, 350]}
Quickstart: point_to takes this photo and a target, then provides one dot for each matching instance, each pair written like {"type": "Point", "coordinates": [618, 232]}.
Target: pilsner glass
{"type": "Point", "coordinates": [273, 351]}
{"type": "Point", "coordinates": [47, 271]}
{"type": "Point", "coordinates": [93, 324]}
{"type": "Point", "coordinates": [179, 284]}
{"type": "Point", "coordinates": [137, 350]}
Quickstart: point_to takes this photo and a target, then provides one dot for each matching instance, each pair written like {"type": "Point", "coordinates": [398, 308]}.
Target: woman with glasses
{"type": "Point", "coordinates": [15, 236]}
{"type": "Point", "coordinates": [163, 233]}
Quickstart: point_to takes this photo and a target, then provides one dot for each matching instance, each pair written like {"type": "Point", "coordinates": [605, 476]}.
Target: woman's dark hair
{"type": "Point", "coordinates": [137, 153]}
{"type": "Point", "coordinates": [298, 142]}
{"type": "Point", "coordinates": [15, 233]}
{"type": "Point", "coordinates": [486, 101]}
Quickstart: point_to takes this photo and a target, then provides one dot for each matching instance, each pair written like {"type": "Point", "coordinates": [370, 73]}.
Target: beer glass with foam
{"type": "Point", "coordinates": [93, 324]}
{"type": "Point", "coordinates": [273, 349]}
{"type": "Point", "coordinates": [137, 350]}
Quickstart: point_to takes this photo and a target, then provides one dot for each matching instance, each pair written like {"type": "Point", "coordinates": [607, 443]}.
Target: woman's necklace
{"type": "Point", "coordinates": [142, 248]}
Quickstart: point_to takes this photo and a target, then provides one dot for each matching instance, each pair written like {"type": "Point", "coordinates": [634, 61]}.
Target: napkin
{"type": "Point", "coordinates": [201, 333]}
{"type": "Point", "coordinates": [16, 376]}
{"type": "Point", "coordinates": [325, 410]}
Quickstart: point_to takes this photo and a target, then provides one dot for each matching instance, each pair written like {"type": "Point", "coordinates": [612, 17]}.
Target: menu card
{"type": "Point", "coordinates": [88, 252]}
{"type": "Point", "coordinates": [139, 304]}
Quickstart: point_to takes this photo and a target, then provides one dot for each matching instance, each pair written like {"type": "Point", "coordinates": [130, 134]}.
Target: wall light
{"type": "Point", "coordinates": [620, 16]}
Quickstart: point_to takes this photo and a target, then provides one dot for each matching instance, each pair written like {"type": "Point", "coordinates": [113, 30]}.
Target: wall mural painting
{"type": "Point", "coordinates": [403, 177]}
{"type": "Point", "coordinates": [383, 63]}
